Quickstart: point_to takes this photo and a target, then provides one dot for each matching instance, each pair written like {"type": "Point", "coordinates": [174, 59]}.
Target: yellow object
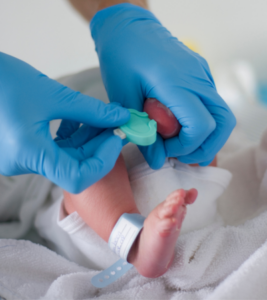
{"type": "Point", "coordinates": [192, 45]}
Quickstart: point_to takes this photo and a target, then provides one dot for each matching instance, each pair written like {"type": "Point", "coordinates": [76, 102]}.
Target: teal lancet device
{"type": "Point", "coordinates": [139, 130]}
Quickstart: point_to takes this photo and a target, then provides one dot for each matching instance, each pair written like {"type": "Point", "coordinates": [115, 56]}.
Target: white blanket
{"type": "Point", "coordinates": [216, 262]}
{"type": "Point", "coordinates": [71, 237]}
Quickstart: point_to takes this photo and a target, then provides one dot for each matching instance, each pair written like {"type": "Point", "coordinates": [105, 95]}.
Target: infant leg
{"type": "Point", "coordinates": [101, 205]}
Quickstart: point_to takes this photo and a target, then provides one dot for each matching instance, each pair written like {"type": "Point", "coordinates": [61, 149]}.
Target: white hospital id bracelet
{"type": "Point", "coordinates": [120, 241]}
{"type": "Point", "coordinates": [125, 233]}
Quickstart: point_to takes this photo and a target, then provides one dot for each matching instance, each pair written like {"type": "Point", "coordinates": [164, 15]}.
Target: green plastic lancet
{"type": "Point", "coordinates": [139, 130]}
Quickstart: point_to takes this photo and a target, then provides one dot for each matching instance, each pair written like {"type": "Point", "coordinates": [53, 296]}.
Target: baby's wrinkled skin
{"type": "Point", "coordinates": [101, 205]}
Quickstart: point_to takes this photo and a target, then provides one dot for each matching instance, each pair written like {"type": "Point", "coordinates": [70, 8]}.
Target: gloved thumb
{"type": "Point", "coordinates": [74, 106]}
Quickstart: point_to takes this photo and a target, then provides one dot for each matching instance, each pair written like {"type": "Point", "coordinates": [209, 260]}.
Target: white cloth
{"type": "Point", "coordinates": [20, 198]}
{"type": "Point", "coordinates": [74, 239]}
{"type": "Point", "coordinates": [215, 262]}
{"type": "Point", "coordinates": [151, 187]}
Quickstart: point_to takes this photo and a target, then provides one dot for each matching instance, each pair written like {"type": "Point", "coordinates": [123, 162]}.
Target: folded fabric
{"type": "Point", "coordinates": [20, 199]}
{"type": "Point", "coordinates": [151, 187]}
{"type": "Point", "coordinates": [211, 263]}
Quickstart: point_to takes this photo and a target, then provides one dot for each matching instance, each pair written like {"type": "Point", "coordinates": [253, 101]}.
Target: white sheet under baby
{"type": "Point", "coordinates": [152, 187]}
{"type": "Point", "coordinates": [71, 237]}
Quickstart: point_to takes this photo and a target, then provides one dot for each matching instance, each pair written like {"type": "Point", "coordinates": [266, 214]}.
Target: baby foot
{"type": "Point", "coordinates": [153, 251]}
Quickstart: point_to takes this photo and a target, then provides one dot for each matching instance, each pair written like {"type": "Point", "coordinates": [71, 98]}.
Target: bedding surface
{"type": "Point", "coordinates": [221, 260]}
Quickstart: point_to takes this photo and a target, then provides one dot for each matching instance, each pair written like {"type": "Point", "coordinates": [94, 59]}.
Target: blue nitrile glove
{"type": "Point", "coordinates": [83, 142]}
{"type": "Point", "coordinates": [28, 101]}
{"type": "Point", "coordinates": [140, 59]}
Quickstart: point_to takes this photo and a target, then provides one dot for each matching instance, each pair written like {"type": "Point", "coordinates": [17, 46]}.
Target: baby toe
{"type": "Point", "coordinates": [177, 194]}
{"type": "Point", "coordinates": [167, 226]}
{"type": "Point", "coordinates": [191, 196]}
{"type": "Point", "coordinates": [168, 210]}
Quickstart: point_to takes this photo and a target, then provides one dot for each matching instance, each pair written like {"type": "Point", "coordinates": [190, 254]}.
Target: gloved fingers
{"type": "Point", "coordinates": [154, 154]}
{"type": "Point", "coordinates": [72, 174]}
{"type": "Point", "coordinates": [206, 152]}
{"type": "Point", "coordinates": [71, 105]}
{"type": "Point", "coordinates": [66, 129]}
{"type": "Point", "coordinates": [197, 122]}
{"type": "Point", "coordinates": [89, 148]}
{"type": "Point", "coordinates": [80, 137]}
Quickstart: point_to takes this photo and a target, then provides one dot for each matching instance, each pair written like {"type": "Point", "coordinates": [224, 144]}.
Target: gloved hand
{"type": "Point", "coordinates": [83, 142]}
{"type": "Point", "coordinates": [28, 101]}
{"type": "Point", "coordinates": [140, 59]}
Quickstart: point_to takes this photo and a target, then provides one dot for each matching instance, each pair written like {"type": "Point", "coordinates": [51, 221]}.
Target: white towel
{"type": "Point", "coordinates": [20, 199]}
{"type": "Point", "coordinates": [29, 271]}
{"type": "Point", "coordinates": [216, 262]}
